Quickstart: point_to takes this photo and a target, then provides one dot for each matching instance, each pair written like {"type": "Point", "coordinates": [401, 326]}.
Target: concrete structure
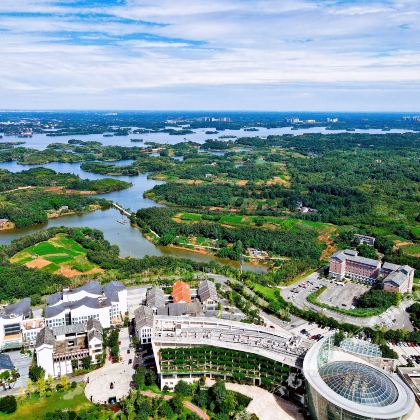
{"type": "Point", "coordinates": [181, 292]}
{"type": "Point", "coordinates": [11, 318]}
{"type": "Point", "coordinates": [344, 386]}
{"type": "Point", "coordinates": [56, 348]}
{"type": "Point", "coordinates": [395, 278]}
{"type": "Point", "coordinates": [107, 304]}
{"type": "Point", "coordinates": [193, 308]}
{"type": "Point", "coordinates": [411, 376]}
{"type": "Point", "coordinates": [208, 295]}
{"type": "Point", "coordinates": [176, 331]}
{"type": "Point", "coordinates": [364, 239]}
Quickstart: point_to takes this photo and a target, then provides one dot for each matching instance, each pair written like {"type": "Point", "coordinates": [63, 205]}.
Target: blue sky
{"type": "Point", "coordinates": [343, 55]}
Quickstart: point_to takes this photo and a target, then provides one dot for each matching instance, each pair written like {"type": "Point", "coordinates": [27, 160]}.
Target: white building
{"type": "Point", "coordinates": [11, 318]}
{"type": "Point", "coordinates": [30, 329]}
{"type": "Point", "coordinates": [143, 320]}
{"type": "Point", "coordinates": [107, 304]}
{"type": "Point", "coordinates": [57, 347]}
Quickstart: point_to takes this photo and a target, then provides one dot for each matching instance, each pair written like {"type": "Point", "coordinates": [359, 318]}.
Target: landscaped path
{"type": "Point", "coordinates": [98, 389]}
{"type": "Point", "coordinates": [187, 404]}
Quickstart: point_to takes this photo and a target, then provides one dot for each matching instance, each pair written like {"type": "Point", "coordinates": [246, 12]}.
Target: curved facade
{"type": "Point", "coordinates": [345, 387]}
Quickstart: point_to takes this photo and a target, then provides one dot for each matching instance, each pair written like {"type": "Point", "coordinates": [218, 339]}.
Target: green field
{"type": "Point", "coordinates": [36, 408]}
{"type": "Point", "coordinates": [411, 249]}
{"type": "Point", "coordinates": [58, 254]}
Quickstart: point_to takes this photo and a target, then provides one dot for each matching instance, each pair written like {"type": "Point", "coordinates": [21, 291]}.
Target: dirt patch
{"type": "Point", "coordinates": [399, 244]}
{"type": "Point", "coordinates": [68, 272]}
{"type": "Point", "coordinates": [7, 226]}
{"type": "Point", "coordinates": [194, 182]}
{"type": "Point", "coordinates": [242, 182]}
{"type": "Point", "coordinates": [80, 192]}
{"type": "Point", "coordinates": [38, 263]}
{"type": "Point", "coordinates": [53, 189]}
{"type": "Point", "coordinates": [326, 238]}
{"type": "Point", "coordinates": [278, 181]}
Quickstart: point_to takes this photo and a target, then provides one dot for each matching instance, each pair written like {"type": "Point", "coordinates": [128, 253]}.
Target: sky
{"type": "Point", "coordinates": [279, 55]}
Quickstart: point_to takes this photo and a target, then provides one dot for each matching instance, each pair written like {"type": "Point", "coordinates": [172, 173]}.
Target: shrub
{"type": "Point", "coordinates": [8, 404]}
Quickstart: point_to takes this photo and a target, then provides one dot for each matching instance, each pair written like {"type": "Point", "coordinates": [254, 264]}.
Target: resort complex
{"type": "Point", "coordinates": [348, 263]}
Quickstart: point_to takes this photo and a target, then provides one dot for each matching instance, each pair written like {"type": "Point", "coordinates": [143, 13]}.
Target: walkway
{"type": "Point", "coordinates": [98, 383]}
{"type": "Point", "coordinates": [265, 405]}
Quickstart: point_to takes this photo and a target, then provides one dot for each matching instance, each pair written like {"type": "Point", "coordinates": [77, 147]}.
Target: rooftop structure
{"type": "Point", "coordinates": [361, 347]}
{"type": "Point", "coordinates": [365, 239]}
{"type": "Point", "coordinates": [401, 280]}
{"type": "Point", "coordinates": [181, 292]}
{"type": "Point", "coordinates": [349, 387]}
{"type": "Point", "coordinates": [5, 362]}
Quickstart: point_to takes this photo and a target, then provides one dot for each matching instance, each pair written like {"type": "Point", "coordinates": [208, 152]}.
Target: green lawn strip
{"type": "Point", "coordinates": [357, 312]}
{"type": "Point", "coordinates": [36, 408]}
{"type": "Point", "coordinates": [58, 259]}
{"type": "Point", "coordinates": [411, 249]}
{"type": "Point", "coordinates": [268, 292]}
{"type": "Point", "coordinates": [50, 268]}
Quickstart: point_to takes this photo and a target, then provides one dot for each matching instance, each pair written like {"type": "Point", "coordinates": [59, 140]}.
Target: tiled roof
{"type": "Point", "coordinates": [207, 290]}
{"type": "Point", "coordinates": [181, 292]}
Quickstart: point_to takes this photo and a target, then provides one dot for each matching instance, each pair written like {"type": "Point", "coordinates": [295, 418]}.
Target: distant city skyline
{"type": "Point", "coordinates": [256, 55]}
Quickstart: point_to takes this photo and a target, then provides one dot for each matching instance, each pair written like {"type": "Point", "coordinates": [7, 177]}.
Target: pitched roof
{"type": "Point", "coordinates": [390, 266]}
{"type": "Point", "coordinates": [400, 276]}
{"type": "Point", "coordinates": [181, 292]}
{"type": "Point", "coordinates": [207, 290]}
{"type": "Point", "coordinates": [155, 298]}
{"type": "Point", "coordinates": [54, 298]}
{"type": "Point", "coordinates": [90, 302]}
{"type": "Point", "coordinates": [6, 362]}
{"type": "Point", "coordinates": [69, 329]}
{"type": "Point", "coordinates": [351, 255]}
{"type": "Point", "coordinates": [93, 324]}
{"type": "Point", "coordinates": [45, 336]}
{"type": "Point", "coordinates": [143, 317]}
{"type": "Point", "coordinates": [181, 309]}
{"type": "Point", "coordinates": [23, 307]}
{"type": "Point", "coordinates": [111, 290]}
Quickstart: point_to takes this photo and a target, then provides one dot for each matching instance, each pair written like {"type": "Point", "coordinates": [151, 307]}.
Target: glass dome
{"type": "Point", "coordinates": [359, 383]}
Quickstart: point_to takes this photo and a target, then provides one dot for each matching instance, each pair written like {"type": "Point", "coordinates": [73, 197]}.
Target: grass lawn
{"type": "Point", "coordinates": [61, 251]}
{"type": "Point", "coordinates": [269, 293]}
{"type": "Point", "coordinates": [411, 249]}
{"type": "Point", "coordinates": [36, 408]}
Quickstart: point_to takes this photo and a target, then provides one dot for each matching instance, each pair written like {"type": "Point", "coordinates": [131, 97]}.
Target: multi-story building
{"type": "Point", "coordinates": [30, 329]}
{"type": "Point", "coordinates": [395, 278]}
{"type": "Point", "coordinates": [348, 263]}
{"type": "Point", "coordinates": [107, 304]}
{"type": "Point", "coordinates": [400, 280]}
{"type": "Point", "coordinates": [11, 318]}
{"type": "Point", "coordinates": [57, 348]}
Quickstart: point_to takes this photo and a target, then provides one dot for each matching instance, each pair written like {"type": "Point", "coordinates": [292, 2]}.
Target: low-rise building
{"type": "Point", "coordinates": [193, 308]}
{"type": "Point", "coordinates": [208, 295]}
{"type": "Point", "coordinates": [143, 324]}
{"type": "Point", "coordinates": [58, 348]}
{"type": "Point", "coordinates": [364, 239]}
{"type": "Point", "coordinates": [155, 298]}
{"type": "Point", "coordinates": [107, 304]}
{"type": "Point", "coordinates": [11, 318]}
{"type": "Point", "coordinates": [401, 280]}
{"type": "Point", "coordinates": [181, 292]}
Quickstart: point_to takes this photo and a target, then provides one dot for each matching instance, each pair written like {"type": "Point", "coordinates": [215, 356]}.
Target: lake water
{"type": "Point", "coordinates": [41, 141]}
{"type": "Point", "coordinates": [129, 239]}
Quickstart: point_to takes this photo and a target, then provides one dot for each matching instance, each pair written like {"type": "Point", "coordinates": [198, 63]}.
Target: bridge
{"type": "Point", "coordinates": [280, 346]}
{"type": "Point", "coordinates": [121, 209]}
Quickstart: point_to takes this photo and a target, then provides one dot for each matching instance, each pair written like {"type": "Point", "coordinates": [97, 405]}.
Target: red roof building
{"type": "Point", "coordinates": [181, 292]}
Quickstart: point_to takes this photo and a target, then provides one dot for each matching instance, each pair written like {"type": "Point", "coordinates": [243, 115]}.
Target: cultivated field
{"type": "Point", "coordinates": [59, 255]}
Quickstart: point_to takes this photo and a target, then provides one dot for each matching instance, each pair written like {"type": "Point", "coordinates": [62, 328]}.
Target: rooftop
{"type": "Point", "coordinates": [155, 298]}
{"type": "Point", "coordinates": [207, 290]}
{"type": "Point", "coordinates": [181, 292]}
{"type": "Point", "coordinates": [21, 308]}
{"type": "Point", "coordinates": [359, 383]}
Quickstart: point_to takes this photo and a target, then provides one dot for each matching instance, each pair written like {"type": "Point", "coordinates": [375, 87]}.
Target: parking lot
{"type": "Point", "coordinates": [342, 294]}
{"type": "Point", "coordinates": [21, 363]}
